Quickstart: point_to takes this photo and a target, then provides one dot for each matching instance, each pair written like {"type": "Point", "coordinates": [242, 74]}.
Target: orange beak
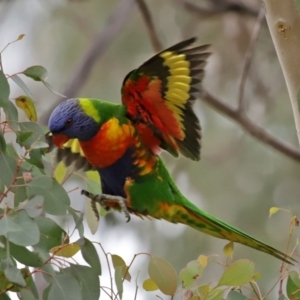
{"type": "Point", "coordinates": [60, 139]}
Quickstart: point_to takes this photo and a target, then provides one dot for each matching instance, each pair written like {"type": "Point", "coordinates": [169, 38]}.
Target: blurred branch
{"type": "Point", "coordinates": [249, 55]}
{"type": "Point", "coordinates": [284, 23]}
{"type": "Point", "coordinates": [249, 126]}
{"type": "Point", "coordinates": [241, 118]}
{"type": "Point", "coordinates": [216, 7]}
{"type": "Point", "coordinates": [149, 25]}
{"type": "Point", "coordinates": [113, 26]}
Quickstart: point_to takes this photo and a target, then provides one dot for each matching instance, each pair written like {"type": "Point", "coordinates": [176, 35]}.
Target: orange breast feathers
{"type": "Point", "coordinates": [109, 144]}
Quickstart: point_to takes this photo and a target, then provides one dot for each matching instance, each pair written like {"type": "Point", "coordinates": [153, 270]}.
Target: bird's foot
{"type": "Point", "coordinates": [103, 200]}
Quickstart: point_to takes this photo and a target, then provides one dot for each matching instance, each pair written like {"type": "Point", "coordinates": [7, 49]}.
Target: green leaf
{"type": "Point", "coordinates": [215, 294]}
{"type": "Point", "coordinates": [90, 255]}
{"type": "Point", "coordinates": [91, 219]}
{"type": "Point", "coordinates": [14, 275]}
{"type": "Point", "coordinates": [4, 90]}
{"type": "Point", "coordinates": [23, 136]}
{"type": "Point", "coordinates": [87, 279]}
{"type": "Point", "coordinates": [2, 142]}
{"type": "Point", "coordinates": [64, 287]}
{"type": "Point", "coordinates": [37, 134]}
{"type": "Point", "coordinates": [56, 199]}
{"type": "Point", "coordinates": [7, 225]}
{"type": "Point", "coordinates": [78, 221]}
{"type": "Point", "coordinates": [25, 256]}
{"type": "Point", "coordinates": [191, 273]}
{"type": "Point", "coordinates": [238, 274]}
{"type": "Point", "coordinates": [149, 285]}
{"type": "Point", "coordinates": [163, 274]}
{"type": "Point", "coordinates": [119, 262]}
{"type": "Point", "coordinates": [234, 295]}
{"type": "Point", "coordinates": [11, 115]}
{"type": "Point", "coordinates": [293, 286]}
{"type": "Point", "coordinates": [51, 233]}
{"type": "Point", "coordinates": [119, 281]}
{"type": "Point", "coordinates": [26, 294]}
{"type": "Point", "coordinates": [21, 84]}
{"type": "Point", "coordinates": [27, 105]}
{"type": "Point", "coordinates": [37, 73]}
{"type": "Point", "coordinates": [51, 89]}
{"type": "Point", "coordinates": [4, 297]}
{"type": "Point", "coordinates": [8, 168]}
{"type": "Point", "coordinates": [29, 234]}
{"type": "Point", "coordinates": [34, 207]}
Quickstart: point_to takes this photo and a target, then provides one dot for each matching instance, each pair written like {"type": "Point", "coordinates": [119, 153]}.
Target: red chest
{"type": "Point", "coordinates": [109, 144]}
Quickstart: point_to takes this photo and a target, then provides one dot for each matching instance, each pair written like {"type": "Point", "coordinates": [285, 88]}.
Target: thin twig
{"type": "Point", "coordinates": [249, 55]}
{"type": "Point", "coordinates": [149, 24]}
{"type": "Point", "coordinates": [218, 7]}
{"type": "Point", "coordinates": [250, 127]}
{"type": "Point", "coordinates": [115, 23]}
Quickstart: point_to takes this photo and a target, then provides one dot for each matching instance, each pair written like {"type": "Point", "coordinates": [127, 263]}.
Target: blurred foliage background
{"type": "Point", "coordinates": [238, 178]}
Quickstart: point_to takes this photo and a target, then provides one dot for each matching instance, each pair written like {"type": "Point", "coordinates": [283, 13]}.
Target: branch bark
{"type": "Point", "coordinates": [284, 22]}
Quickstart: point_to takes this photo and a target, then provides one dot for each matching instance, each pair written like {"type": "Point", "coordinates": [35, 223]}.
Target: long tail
{"type": "Point", "coordinates": [190, 215]}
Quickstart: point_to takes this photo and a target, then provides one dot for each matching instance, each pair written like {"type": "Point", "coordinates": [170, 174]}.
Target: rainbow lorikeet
{"type": "Point", "coordinates": [122, 141]}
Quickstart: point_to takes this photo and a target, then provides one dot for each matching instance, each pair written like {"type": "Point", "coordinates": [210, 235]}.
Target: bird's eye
{"type": "Point", "coordinates": [69, 122]}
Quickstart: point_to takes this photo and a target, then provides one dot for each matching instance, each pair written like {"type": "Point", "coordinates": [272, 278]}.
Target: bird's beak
{"type": "Point", "coordinates": [60, 139]}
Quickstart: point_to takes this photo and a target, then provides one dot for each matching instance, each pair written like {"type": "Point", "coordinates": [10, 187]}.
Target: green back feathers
{"type": "Point", "coordinates": [101, 111]}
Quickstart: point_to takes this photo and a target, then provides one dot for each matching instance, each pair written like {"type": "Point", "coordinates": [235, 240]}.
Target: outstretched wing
{"type": "Point", "coordinates": [159, 97]}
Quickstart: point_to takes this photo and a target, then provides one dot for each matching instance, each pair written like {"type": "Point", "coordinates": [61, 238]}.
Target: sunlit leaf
{"type": "Point", "coordinates": [203, 260]}
{"type": "Point", "coordinates": [191, 273]}
{"type": "Point", "coordinates": [27, 105]}
{"type": "Point", "coordinates": [90, 216]}
{"type": "Point", "coordinates": [87, 279]}
{"type": "Point", "coordinates": [215, 294]}
{"type": "Point", "coordinates": [37, 73]}
{"type": "Point", "coordinates": [67, 250]}
{"type": "Point", "coordinates": [118, 280]}
{"type": "Point", "coordinates": [60, 171]}
{"type": "Point", "coordinates": [14, 275]}
{"type": "Point", "coordinates": [119, 262]}
{"type": "Point", "coordinates": [273, 210]}
{"type": "Point", "coordinates": [228, 249]}
{"type": "Point", "coordinates": [239, 273]}
{"type": "Point", "coordinates": [149, 285]}
{"type": "Point", "coordinates": [203, 290]}
{"type": "Point", "coordinates": [90, 255]}
{"type": "Point", "coordinates": [4, 90]}
{"type": "Point", "coordinates": [163, 274]}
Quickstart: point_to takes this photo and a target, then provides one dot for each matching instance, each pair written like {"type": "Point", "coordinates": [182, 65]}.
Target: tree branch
{"type": "Point", "coordinates": [250, 127]}
{"type": "Point", "coordinates": [113, 26]}
{"type": "Point", "coordinates": [218, 7]}
{"type": "Point", "coordinates": [149, 25]}
{"type": "Point", "coordinates": [284, 23]}
{"type": "Point", "coordinates": [241, 118]}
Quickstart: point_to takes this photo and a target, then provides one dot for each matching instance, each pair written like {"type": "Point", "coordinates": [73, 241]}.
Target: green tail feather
{"type": "Point", "coordinates": [190, 215]}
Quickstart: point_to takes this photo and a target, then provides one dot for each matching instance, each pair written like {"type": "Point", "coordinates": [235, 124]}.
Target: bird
{"type": "Point", "coordinates": [123, 142]}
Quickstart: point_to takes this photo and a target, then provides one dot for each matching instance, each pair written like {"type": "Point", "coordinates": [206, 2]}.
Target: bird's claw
{"type": "Point", "coordinates": [103, 200]}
